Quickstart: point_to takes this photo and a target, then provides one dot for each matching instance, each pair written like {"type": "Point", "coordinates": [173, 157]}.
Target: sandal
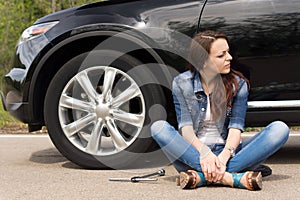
{"type": "Point", "coordinates": [188, 180]}
{"type": "Point", "coordinates": [256, 180]}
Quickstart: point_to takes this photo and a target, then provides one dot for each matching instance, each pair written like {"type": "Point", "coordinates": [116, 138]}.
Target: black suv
{"type": "Point", "coordinates": [98, 75]}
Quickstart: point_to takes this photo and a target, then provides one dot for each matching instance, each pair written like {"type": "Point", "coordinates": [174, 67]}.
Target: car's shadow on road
{"type": "Point", "coordinates": [289, 154]}
{"type": "Point", "coordinates": [286, 155]}
{"type": "Point", "coordinates": [53, 156]}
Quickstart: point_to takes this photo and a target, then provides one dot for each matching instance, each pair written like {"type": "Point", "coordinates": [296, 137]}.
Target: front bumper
{"type": "Point", "coordinates": [17, 109]}
{"type": "Point", "coordinates": [21, 112]}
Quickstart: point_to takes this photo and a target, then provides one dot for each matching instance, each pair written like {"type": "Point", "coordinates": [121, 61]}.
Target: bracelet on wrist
{"type": "Point", "coordinates": [231, 150]}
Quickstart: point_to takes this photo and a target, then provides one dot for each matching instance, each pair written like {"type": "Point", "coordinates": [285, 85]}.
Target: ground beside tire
{"type": "Point", "coordinates": [20, 130]}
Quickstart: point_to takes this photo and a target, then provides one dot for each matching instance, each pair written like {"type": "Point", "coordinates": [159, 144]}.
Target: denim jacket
{"type": "Point", "coordinates": [191, 102]}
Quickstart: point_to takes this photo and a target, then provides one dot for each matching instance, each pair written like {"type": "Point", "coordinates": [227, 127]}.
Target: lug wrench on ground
{"type": "Point", "coordinates": [135, 179]}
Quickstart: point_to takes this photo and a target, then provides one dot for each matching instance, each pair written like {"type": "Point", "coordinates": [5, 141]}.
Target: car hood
{"type": "Point", "coordinates": [70, 11]}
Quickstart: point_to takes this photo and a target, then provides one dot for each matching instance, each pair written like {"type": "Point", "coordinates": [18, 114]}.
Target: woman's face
{"type": "Point", "coordinates": [219, 57]}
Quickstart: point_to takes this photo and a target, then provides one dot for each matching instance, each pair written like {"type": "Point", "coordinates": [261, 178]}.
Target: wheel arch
{"type": "Point", "coordinates": [81, 42]}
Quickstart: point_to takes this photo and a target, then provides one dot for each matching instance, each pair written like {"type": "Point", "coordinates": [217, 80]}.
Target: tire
{"type": "Point", "coordinates": [90, 118]}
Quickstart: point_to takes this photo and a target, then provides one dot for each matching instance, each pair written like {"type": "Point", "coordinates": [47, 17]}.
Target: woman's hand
{"type": "Point", "coordinates": [223, 158]}
{"type": "Point", "coordinates": [212, 168]}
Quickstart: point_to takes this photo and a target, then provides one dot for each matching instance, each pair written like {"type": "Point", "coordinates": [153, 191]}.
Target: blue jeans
{"type": "Point", "coordinates": [249, 154]}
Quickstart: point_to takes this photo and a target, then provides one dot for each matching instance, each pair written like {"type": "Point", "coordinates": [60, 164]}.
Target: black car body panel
{"type": "Point", "coordinates": [264, 35]}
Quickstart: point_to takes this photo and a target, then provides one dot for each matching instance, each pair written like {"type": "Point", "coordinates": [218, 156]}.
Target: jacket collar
{"type": "Point", "coordinates": [197, 83]}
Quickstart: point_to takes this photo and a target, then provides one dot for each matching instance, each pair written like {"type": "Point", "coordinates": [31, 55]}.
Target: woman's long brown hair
{"type": "Point", "coordinates": [197, 59]}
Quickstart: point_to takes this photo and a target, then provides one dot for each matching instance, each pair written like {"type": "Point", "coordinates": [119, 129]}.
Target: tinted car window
{"type": "Point", "coordinates": [258, 32]}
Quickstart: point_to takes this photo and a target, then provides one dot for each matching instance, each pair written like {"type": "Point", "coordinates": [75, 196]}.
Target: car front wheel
{"type": "Point", "coordinates": [97, 114]}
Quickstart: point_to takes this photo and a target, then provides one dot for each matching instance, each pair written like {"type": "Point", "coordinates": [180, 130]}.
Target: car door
{"type": "Point", "coordinates": [265, 42]}
{"type": "Point", "coordinates": [172, 24]}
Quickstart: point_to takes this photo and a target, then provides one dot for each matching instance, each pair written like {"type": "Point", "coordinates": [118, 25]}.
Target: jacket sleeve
{"type": "Point", "coordinates": [239, 107]}
{"type": "Point", "coordinates": [182, 112]}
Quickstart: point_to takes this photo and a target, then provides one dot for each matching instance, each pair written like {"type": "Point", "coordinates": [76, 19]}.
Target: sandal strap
{"type": "Point", "coordinates": [237, 180]}
{"type": "Point", "coordinates": [202, 179]}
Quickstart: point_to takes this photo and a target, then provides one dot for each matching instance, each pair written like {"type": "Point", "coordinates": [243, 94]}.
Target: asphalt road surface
{"type": "Point", "coordinates": [31, 168]}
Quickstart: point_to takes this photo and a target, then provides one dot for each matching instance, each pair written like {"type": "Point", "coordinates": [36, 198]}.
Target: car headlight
{"type": "Point", "coordinates": [35, 31]}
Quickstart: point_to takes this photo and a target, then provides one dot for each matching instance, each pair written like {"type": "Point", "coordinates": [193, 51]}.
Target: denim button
{"type": "Point", "coordinates": [202, 109]}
